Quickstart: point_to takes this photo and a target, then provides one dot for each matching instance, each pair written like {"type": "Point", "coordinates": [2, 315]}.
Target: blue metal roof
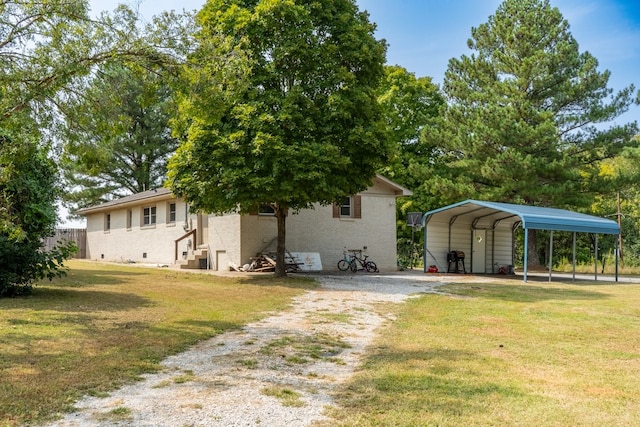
{"type": "Point", "coordinates": [532, 217]}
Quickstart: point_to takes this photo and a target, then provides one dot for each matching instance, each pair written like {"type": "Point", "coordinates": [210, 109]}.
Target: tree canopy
{"type": "Point", "coordinates": [410, 104]}
{"type": "Point", "coordinates": [279, 108]}
{"type": "Point", "coordinates": [29, 186]}
{"type": "Point", "coordinates": [45, 46]}
{"type": "Point", "coordinates": [116, 136]}
{"type": "Point", "coordinates": [527, 113]}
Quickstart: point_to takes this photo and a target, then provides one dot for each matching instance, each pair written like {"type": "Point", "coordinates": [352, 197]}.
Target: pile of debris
{"type": "Point", "coordinates": [266, 262]}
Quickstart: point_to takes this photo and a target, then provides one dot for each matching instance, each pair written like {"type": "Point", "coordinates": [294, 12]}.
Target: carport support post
{"type": "Point", "coordinates": [550, 254]}
{"type": "Point", "coordinates": [596, 263]}
{"type": "Point", "coordinates": [526, 253]}
{"type": "Point", "coordinates": [617, 254]}
{"type": "Point", "coordinates": [423, 222]}
{"type": "Point", "coordinates": [574, 256]}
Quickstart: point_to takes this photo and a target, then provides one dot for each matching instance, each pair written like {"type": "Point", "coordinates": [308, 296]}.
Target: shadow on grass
{"type": "Point", "coordinates": [295, 282]}
{"type": "Point", "coordinates": [214, 326]}
{"type": "Point", "coordinates": [428, 380]}
{"type": "Point", "coordinates": [75, 300]}
{"type": "Point", "coordinates": [81, 277]}
{"type": "Point", "coordinates": [521, 292]}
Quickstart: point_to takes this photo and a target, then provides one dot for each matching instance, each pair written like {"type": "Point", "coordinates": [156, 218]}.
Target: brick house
{"type": "Point", "coordinates": [155, 227]}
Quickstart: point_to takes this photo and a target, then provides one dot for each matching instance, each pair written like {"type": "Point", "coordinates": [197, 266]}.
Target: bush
{"type": "Point", "coordinates": [28, 193]}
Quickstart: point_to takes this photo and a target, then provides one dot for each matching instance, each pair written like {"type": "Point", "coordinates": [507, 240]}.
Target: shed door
{"type": "Point", "coordinates": [479, 251]}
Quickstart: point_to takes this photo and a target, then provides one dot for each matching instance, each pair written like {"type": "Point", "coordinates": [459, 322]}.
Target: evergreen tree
{"type": "Point", "coordinates": [528, 113]}
{"type": "Point", "coordinates": [29, 187]}
{"type": "Point", "coordinates": [117, 136]}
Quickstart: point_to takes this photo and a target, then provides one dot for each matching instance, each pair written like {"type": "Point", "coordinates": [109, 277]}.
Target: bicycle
{"type": "Point", "coordinates": [354, 263]}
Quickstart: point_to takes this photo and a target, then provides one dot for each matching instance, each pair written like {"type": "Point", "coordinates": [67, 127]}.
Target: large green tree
{"type": "Point", "coordinates": [621, 175]}
{"type": "Point", "coordinates": [528, 114]}
{"type": "Point", "coordinates": [279, 108]}
{"type": "Point", "coordinates": [116, 136]}
{"type": "Point", "coordinates": [410, 104]}
{"type": "Point", "coordinates": [44, 47]}
{"type": "Point", "coordinates": [35, 62]}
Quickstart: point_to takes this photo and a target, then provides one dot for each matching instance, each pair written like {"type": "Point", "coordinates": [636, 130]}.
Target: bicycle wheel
{"type": "Point", "coordinates": [343, 265]}
{"type": "Point", "coordinates": [371, 267]}
{"type": "Point", "coordinates": [354, 265]}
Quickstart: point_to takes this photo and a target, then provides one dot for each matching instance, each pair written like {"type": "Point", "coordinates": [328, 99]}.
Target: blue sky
{"type": "Point", "coordinates": [424, 34]}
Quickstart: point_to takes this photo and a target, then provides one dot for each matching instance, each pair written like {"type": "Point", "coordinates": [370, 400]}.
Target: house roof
{"type": "Point", "coordinates": [155, 194]}
{"type": "Point", "coordinates": [398, 189]}
{"type": "Point", "coordinates": [490, 214]}
{"type": "Point", "coordinates": [158, 194]}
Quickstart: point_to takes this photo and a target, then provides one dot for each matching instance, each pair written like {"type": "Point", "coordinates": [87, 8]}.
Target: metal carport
{"type": "Point", "coordinates": [464, 225]}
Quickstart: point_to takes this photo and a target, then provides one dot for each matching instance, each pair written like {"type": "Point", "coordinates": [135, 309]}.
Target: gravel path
{"type": "Point", "coordinates": [280, 371]}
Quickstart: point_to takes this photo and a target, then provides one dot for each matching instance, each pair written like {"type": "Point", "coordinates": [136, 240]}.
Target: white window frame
{"type": "Point", "coordinates": [149, 216]}
{"type": "Point", "coordinates": [171, 212]}
{"type": "Point", "coordinates": [346, 208]}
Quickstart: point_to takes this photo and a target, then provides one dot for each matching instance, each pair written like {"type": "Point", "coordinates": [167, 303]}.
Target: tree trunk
{"type": "Point", "coordinates": [533, 259]}
{"type": "Point", "coordinates": [281, 265]}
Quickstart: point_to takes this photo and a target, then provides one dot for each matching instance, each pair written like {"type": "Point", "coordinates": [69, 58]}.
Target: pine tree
{"type": "Point", "coordinates": [528, 113]}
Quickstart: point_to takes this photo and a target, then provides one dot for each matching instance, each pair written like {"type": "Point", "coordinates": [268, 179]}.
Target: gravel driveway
{"type": "Point", "coordinates": [280, 371]}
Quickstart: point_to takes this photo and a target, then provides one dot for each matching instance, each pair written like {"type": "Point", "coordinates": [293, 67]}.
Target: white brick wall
{"type": "Point", "coordinates": [121, 244]}
{"type": "Point", "coordinates": [224, 242]}
{"type": "Point", "coordinates": [235, 239]}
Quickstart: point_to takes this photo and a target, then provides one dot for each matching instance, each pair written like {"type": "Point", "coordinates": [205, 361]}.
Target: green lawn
{"type": "Point", "coordinates": [104, 325]}
{"type": "Point", "coordinates": [504, 354]}
{"type": "Point", "coordinates": [488, 354]}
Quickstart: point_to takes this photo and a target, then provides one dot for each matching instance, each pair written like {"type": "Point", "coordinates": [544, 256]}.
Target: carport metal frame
{"type": "Point", "coordinates": [532, 218]}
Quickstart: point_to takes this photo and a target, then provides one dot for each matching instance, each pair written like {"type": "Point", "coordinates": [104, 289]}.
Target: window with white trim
{"type": "Point", "coordinates": [350, 207]}
{"type": "Point", "coordinates": [346, 208]}
{"type": "Point", "coordinates": [107, 222]}
{"type": "Point", "coordinates": [171, 213]}
{"type": "Point", "coordinates": [149, 216]}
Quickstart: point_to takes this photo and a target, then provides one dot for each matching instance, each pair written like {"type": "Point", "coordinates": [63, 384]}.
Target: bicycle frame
{"type": "Point", "coordinates": [351, 261]}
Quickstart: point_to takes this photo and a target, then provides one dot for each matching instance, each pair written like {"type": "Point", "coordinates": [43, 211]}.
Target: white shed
{"type": "Point", "coordinates": [474, 236]}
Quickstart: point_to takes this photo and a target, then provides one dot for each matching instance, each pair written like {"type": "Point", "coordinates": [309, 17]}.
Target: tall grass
{"type": "Point", "coordinates": [504, 354]}
{"type": "Point", "coordinates": [103, 326]}
{"type": "Point", "coordinates": [609, 261]}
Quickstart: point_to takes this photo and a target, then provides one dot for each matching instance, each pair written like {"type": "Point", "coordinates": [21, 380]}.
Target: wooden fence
{"type": "Point", "coordinates": [77, 235]}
